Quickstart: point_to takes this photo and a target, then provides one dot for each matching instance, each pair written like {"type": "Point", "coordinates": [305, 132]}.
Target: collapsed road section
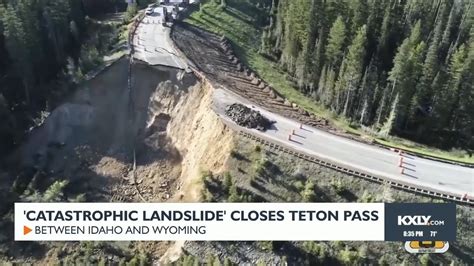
{"type": "Point", "coordinates": [153, 44]}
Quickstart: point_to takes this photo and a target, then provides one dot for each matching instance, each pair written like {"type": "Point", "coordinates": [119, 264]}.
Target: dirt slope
{"type": "Point", "coordinates": [89, 140]}
{"type": "Point", "coordinates": [203, 141]}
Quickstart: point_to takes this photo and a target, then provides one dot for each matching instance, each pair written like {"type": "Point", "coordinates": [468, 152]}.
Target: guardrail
{"type": "Point", "coordinates": [394, 183]}
{"type": "Point", "coordinates": [136, 21]}
{"type": "Point", "coordinates": [425, 156]}
{"type": "Point", "coordinates": [347, 170]}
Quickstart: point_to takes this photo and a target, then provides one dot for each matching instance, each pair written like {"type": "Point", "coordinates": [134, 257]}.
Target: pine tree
{"type": "Point", "coordinates": [227, 181]}
{"type": "Point", "coordinates": [363, 99]}
{"type": "Point", "coordinates": [410, 100]}
{"type": "Point", "coordinates": [463, 117]}
{"type": "Point", "coordinates": [339, 88]}
{"type": "Point", "coordinates": [290, 52]}
{"type": "Point", "coordinates": [446, 39]}
{"type": "Point", "coordinates": [216, 262]}
{"type": "Point", "coordinates": [448, 98]}
{"type": "Point", "coordinates": [406, 72]}
{"type": "Point", "coordinates": [55, 191]}
{"type": "Point", "coordinates": [321, 84]}
{"type": "Point", "coordinates": [424, 89]}
{"type": "Point", "coordinates": [318, 60]}
{"type": "Point", "coordinates": [389, 125]}
{"type": "Point", "coordinates": [227, 262]}
{"type": "Point", "coordinates": [384, 33]}
{"type": "Point", "coordinates": [300, 69]}
{"type": "Point", "coordinates": [295, 35]}
{"type": "Point", "coordinates": [16, 43]}
{"type": "Point", "coordinates": [209, 260]}
{"type": "Point", "coordinates": [364, 112]}
{"type": "Point", "coordinates": [308, 194]}
{"type": "Point", "coordinates": [334, 48]}
{"type": "Point", "coordinates": [382, 106]}
{"type": "Point", "coordinates": [57, 25]}
{"type": "Point", "coordinates": [354, 67]}
{"type": "Point", "coordinates": [389, 32]}
{"type": "Point", "coordinates": [279, 30]}
{"type": "Point", "coordinates": [312, 57]}
{"type": "Point", "coordinates": [360, 10]}
{"type": "Point", "coordinates": [26, 11]}
{"type": "Point", "coordinates": [328, 96]}
{"type": "Point", "coordinates": [400, 62]}
{"type": "Point", "coordinates": [374, 22]}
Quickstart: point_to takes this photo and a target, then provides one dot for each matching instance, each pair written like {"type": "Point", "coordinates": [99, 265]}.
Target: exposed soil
{"type": "Point", "coordinates": [214, 56]}
{"type": "Point", "coordinates": [147, 145]}
{"type": "Point", "coordinates": [92, 137]}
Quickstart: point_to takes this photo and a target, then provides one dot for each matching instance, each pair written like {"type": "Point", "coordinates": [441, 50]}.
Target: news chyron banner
{"type": "Point", "coordinates": [234, 221]}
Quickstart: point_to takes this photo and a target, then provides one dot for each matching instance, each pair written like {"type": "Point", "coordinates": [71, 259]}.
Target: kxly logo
{"type": "Point", "coordinates": [417, 220]}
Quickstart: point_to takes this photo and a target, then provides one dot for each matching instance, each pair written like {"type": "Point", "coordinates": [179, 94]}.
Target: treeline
{"type": "Point", "coordinates": [397, 67]}
{"type": "Point", "coordinates": [38, 36]}
{"type": "Point", "coordinates": [46, 46]}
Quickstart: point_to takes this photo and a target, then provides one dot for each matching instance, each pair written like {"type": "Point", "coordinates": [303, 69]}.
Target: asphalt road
{"type": "Point", "coordinates": [443, 177]}
{"type": "Point", "coordinates": [154, 45]}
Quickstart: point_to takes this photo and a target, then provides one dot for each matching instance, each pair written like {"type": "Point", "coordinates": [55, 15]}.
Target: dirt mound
{"type": "Point", "coordinates": [246, 117]}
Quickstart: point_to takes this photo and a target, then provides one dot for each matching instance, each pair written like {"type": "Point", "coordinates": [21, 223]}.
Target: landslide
{"type": "Point", "coordinates": [203, 141]}
{"type": "Point", "coordinates": [148, 144]}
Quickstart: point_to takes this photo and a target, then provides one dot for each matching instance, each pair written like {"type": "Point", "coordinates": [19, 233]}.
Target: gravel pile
{"type": "Point", "coordinates": [246, 117]}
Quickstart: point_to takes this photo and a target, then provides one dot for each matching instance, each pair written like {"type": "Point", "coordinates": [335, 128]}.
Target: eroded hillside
{"type": "Point", "coordinates": [106, 143]}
